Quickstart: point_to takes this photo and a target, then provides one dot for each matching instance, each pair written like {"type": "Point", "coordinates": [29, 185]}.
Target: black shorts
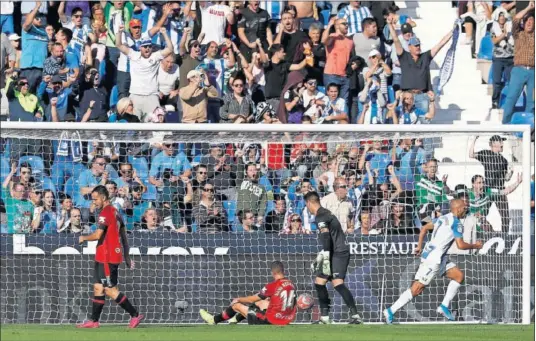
{"type": "Point", "coordinates": [339, 266]}
{"type": "Point", "coordinates": [99, 275]}
{"type": "Point", "coordinates": [256, 316]}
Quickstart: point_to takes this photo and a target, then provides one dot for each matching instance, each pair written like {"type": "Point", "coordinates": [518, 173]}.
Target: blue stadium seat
{"type": "Point", "coordinates": [523, 118]}
{"type": "Point", "coordinates": [151, 192]}
{"type": "Point", "coordinates": [48, 184]}
{"type": "Point", "coordinates": [486, 48]}
{"type": "Point", "coordinates": [140, 165]}
{"type": "Point", "coordinates": [197, 158]}
{"type": "Point", "coordinates": [194, 227]}
{"type": "Point", "coordinates": [114, 97]}
{"type": "Point", "coordinates": [36, 162]}
{"type": "Point", "coordinates": [71, 187]}
{"type": "Point", "coordinates": [112, 173]}
{"type": "Point", "coordinates": [270, 206]}
{"type": "Point", "coordinates": [324, 16]}
{"type": "Point", "coordinates": [230, 208]}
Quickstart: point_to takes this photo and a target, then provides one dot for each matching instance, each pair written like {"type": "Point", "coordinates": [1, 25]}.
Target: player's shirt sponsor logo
{"type": "Point", "coordinates": [102, 220]}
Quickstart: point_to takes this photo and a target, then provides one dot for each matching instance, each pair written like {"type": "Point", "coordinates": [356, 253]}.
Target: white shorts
{"type": "Point", "coordinates": [428, 271]}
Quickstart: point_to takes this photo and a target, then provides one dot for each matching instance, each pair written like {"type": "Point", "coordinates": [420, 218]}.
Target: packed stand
{"type": "Point", "coordinates": [260, 62]}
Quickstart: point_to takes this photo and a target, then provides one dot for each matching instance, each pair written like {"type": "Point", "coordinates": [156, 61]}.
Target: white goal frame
{"type": "Point", "coordinates": [525, 130]}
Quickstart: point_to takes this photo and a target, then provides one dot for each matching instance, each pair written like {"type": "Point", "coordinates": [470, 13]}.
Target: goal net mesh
{"type": "Point", "coordinates": [208, 212]}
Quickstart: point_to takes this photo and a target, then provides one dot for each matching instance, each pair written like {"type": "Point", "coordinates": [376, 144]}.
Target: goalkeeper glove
{"type": "Point", "coordinates": [316, 266]}
{"type": "Point", "coordinates": [326, 263]}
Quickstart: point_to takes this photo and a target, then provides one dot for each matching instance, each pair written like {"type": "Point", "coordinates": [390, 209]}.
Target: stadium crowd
{"type": "Point", "coordinates": [265, 62]}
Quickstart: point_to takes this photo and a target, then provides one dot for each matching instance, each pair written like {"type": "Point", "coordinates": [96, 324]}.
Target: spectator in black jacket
{"type": "Point", "coordinates": [357, 83]}
{"type": "Point", "coordinates": [94, 100]}
{"type": "Point", "coordinates": [275, 220]}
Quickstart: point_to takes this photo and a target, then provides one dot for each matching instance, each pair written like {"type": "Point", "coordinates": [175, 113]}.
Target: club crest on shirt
{"type": "Point", "coordinates": [321, 225]}
{"type": "Point", "coordinates": [117, 250]}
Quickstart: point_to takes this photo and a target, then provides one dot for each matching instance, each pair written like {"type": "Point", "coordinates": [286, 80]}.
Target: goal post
{"type": "Point", "coordinates": [194, 256]}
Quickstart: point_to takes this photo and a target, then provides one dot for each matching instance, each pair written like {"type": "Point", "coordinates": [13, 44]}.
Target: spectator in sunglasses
{"type": "Point", "coordinates": [82, 31]}
{"type": "Point", "coordinates": [340, 204]}
{"type": "Point", "coordinates": [238, 107]}
{"type": "Point", "coordinates": [129, 178]}
{"type": "Point", "coordinates": [59, 100]}
{"type": "Point", "coordinates": [209, 213]}
{"type": "Point", "coordinates": [295, 226]}
{"type": "Point", "coordinates": [94, 103]}
{"type": "Point", "coordinates": [201, 178]}
{"type": "Point", "coordinates": [313, 100]}
{"type": "Point", "coordinates": [23, 105]}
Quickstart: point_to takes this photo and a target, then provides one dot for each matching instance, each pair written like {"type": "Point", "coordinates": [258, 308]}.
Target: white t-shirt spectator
{"type": "Point", "coordinates": [144, 73]}
{"type": "Point", "coordinates": [214, 22]}
{"type": "Point", "coordinates": [167, 80]}
{"type": "Point", "coordinates": [124, 64]}
{"type": "Point", "coordinates": [313, 109]}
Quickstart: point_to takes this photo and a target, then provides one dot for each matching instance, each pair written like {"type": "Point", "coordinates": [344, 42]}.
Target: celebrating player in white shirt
{"type": "Point", "coordinates": [434, 259]}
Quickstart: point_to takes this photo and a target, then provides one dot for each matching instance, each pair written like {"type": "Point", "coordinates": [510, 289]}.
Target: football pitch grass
{"type": "Point", "coordinates": [271, 333]}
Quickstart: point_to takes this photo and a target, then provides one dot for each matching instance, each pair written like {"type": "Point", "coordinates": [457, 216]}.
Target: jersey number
{"type": "Point", "coordinates": [288, 299]}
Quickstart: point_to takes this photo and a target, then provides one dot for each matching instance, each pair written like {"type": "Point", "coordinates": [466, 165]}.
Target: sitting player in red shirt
{"type": "Point", "coordinates": [111, 247]}
{"type": "Point", "coordinates": [274, 304]}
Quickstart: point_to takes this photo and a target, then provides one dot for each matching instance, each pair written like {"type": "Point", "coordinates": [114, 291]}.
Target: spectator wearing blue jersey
{"type": "Point", "coordinates": [87, 181]}
{"type": "Point", "coordinates": [166, 161]}
{"type": "Point", "coordinates": [335, 110]}
{"type": "Point", "coordinates": [82, 31]}
{"type": "Point", "coordinates": [129, 178]}
{"type": "Point", "coordinates": [379, 160]}
{"type": "Point", "coordinates": [354, 14]}
{"type": "Point", "coordinates": [409, 158]}
{"type": "Point", "coordinates": [70, 55]}
{"type": "Point", "coordinates": [215, 69]}
{"type": "Point", "coordinates": [408, 113]}
{"type": "Point", "coordinates": [35, 42]}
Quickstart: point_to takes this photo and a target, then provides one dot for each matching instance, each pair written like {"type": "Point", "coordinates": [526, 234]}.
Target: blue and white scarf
{"type": "Point", "coordinates": [448, 64]}
{"type": "Point", "coordinates": [74, 144]}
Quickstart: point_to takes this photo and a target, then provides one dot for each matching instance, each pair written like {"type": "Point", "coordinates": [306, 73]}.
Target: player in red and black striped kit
{"type": "Point", "coordinates": [112, 246]}
{"type": "Point", "coordinates": [275, 304]}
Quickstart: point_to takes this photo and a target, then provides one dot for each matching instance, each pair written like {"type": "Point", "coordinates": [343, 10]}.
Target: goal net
{"type": "Point", "coordinates": [208, 208]}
